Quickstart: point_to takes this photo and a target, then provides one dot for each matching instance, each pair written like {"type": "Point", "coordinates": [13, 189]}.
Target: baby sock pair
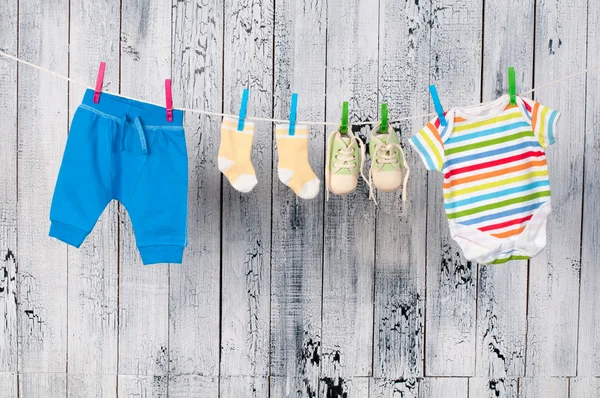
{"type": "Point", "coordinates": [293, 168]}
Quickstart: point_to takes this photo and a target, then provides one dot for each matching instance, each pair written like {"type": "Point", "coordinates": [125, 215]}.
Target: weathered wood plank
{"type": "Point", "coordinates": [93, 269]}
{"type": "Point", "coordinates": [588, 362]}
{"type": "Point", "coordinates": [246, 218]}
{"type": "Point", "coordinates": [349, 221]}
{"type": "Point", "coordinates": [447, 387]}
{"type": "Point", "coordinates": [394, 388]}
{"type": "Point", "coordinates": [143, 290]}
{"type": "Point", "coordinates": [502, 289]}
{"type": "Point", "coordinates": [400, 246]}
{"type": "Point", "coordinates": [47, 385]}
{"type": "Point", "coordinates": [244, 386]}
{"type": "Point", "coordinates": [194, 386]}
{"type": "Point", "coordinates": [340, 387]}
{"type": "Point", "coordinates": [8, 193]}
{"type": "Point", "coordinates": [480, 387]}
{"type": "Point", "coordinates": [554, 274]}
{"type": "Point", "coordinates": [94, 385]}
{"type": "Point", "coordinates": [297, 232]}
{"type": "Point", "coordinates": [194, 285]}
{"type": "Point", "coordinates": [543, 387]}
{"type": "Point", "coordinates": [42, 261]}
{"type": "Point", "coordinates": [451, 291]}
{"type": "Point", "coordinates": [8, 381]}
{"type": "Point", "coordinates": [134, 386]}
{"type": "Point", "coordinates": [584, 387]}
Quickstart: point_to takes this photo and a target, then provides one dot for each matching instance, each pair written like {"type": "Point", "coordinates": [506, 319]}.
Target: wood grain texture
{"type": "Point", "coordinates": [47, 385]}
{"type": "Point", "coordinates": [244, 386]}
{"type": "Point", "coordinates": [588, 363]}
{"type": "Point", "coordinates": [246, 218]}
{"type": "Point", "coordinates": [451, 280]}
{"type": "Point", "coordinates": [480, 387]}
{"type": "Point", "coordinates": [502, 289]}
{"type": "Point", "coordinates": [42, 261]}
{"type": "Point", "coordinates": [554, 274]}
{"type": "Point", "coordinates": [9, 384]}
{"type": "Point", "coordinates": [395, 388]}
{"type": "Point", "coordinates": [400, 233]}
{"type": "Point", "coordinates": [447, 387]}
{"type": "Point", "coordinates": [543, 387]}
{"type": "Point", "coordinates": [93, 268]}
{"type": "Point", "coordinates": [91, 385]}
{"type": "Point", "coordinates": [297, 230]}
{"type": "Point", "coordinates": [583, 387]}
{"type": "Point", "coordinates": [134, 386]}
{"type": "Point", "coordinates": [8, 193]}
{"type": "Point", "coordinates": [143, 290]}
{"type": "Point", "coordinates": [194, 285]}
{"type": "Point", "coordinates": [193, 386]}
{"type": "Point", "coordinates": [349, 221]}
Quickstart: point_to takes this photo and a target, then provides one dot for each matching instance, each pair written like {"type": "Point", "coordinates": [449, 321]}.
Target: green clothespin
{"type": "Point", "coordinates": [384, 119]}
{"type": "Point", "coordinates": [344, 126]}
{"type": "Point", "coordinates": [512, 87]}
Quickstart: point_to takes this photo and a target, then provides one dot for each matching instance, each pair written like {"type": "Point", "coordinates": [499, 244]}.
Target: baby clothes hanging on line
{"type": "Point", "coordinates": [496, 187]}
{"type": "Point", "coordinates": [129, 151]}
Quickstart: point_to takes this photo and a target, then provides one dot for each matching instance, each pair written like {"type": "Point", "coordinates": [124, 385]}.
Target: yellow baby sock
{"type": "Point", "coordinates": [293, 168]}
{"type": "Point", "coordinates": [234, 154]}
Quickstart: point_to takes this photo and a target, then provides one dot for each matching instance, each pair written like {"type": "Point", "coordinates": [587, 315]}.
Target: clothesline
{"type": "Point", "coordinates": [265, 119]}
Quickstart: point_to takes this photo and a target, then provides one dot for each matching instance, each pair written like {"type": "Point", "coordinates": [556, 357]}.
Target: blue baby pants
{"type": "Point", "coordinates": [125, 150]}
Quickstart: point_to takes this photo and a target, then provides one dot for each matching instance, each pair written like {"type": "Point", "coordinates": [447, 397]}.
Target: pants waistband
{"type": "Point", "coordinates": [125, 109]}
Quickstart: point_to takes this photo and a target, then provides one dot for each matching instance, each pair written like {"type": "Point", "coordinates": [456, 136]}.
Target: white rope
{"type": "Point", "coordinates": [266, 119]}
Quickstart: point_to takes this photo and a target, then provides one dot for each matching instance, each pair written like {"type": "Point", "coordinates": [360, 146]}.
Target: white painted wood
{"type": "Point", "coordinates": [8, 381]}
{"type": "Point", "coordinates": [394, 388]}
{"type": "Point", "coordinates": [297, 231]}
{"type": "Point", "coordinates": [244, 386]}
{"type": "Point", "coordinates": [194, 285]}
{"type": "Point", "coordinates": [143, 290]}
{"type": "Point", "coordinates": [47, 385]}
{"type": "Point", "coordinates": [451, 291]}
{"type": "Point", "coordinates": [554, 274]}
{"type": "Point", "coordinates": [8, 193]}
{"type": "Point", "coordinates": [246, 218]}
{"type": "Point", "coordinates": [543, 387]}
{"type": "Point", "coordinates": [134, 386]}
{"type": "Point", "coordinates": [349, 221]}
{"type": "Point", "coordinates": [335, 387]}
{"type": "Point", "coordinates": [400, 245]}
{"type": "Point", "coordinates": [588, 363]}
{"type": "Point", "coordinates": [42, 261]}
{"type": "Point", "coordinates": [92, 270]}
{"type": "Point", "coordinates": [502, 288]}
{"type": "Point", "coordinates": [91, 385]}
{"type": "Point", "coordinates": [584, 387]}
{"type": "Point", "coordinates": [447, 387]}
{"type": "Point", "coordinates": [193, 386]}
{"type": "Point", "coordinates": [480, 387]}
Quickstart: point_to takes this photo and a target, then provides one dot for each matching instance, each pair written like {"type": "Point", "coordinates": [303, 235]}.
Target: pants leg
{"type": "Point", "coordinates": [83, 187]}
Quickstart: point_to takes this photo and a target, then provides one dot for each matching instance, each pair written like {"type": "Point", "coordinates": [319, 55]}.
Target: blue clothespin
{"type": "Point", "coordinates": [243, 110]}
{"type": "Point", "coordinates": [438, 105]}
{"type": "Point", "coordinates": [293, 107]}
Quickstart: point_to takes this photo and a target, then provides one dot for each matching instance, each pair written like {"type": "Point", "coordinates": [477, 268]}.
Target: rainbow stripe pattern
{"type": "Point", "coordinates": [495, 171]}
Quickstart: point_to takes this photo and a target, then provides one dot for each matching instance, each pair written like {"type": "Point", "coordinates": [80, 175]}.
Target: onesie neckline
{"type": "Point", "coordinates": [484, 111]}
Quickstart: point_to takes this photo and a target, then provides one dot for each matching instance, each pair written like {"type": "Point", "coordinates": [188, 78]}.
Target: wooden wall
{"type": "Point", "coordinates": [278, 296]}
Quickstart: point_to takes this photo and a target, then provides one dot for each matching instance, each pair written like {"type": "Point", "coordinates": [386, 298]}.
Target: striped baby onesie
{"type": "Point", "coordinates": [496, 187]}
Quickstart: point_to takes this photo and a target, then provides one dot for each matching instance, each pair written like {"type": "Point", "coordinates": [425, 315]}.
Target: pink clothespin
{"type": "Point", "coordinates": [99, 82]}
{"type": "Point", "coordinates": [169, 98]}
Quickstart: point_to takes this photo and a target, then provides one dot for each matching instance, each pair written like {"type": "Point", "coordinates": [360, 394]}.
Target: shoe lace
{"type": "Point", "coordinates": [388, 154]}
{"type": "Point", "coordinates": [345, 158]}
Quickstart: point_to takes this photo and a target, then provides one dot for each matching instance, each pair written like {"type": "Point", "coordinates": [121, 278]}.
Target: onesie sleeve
{"type": "Point", "coordinates": [543, 121]}
{"type": "Point", "coordinates": [428, 144]}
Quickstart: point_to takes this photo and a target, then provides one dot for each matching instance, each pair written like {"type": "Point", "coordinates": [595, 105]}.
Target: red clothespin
{"type": "Point", "coordinates": [99, 81]}
{"type": "Point", "coordinates": [169, 98]}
